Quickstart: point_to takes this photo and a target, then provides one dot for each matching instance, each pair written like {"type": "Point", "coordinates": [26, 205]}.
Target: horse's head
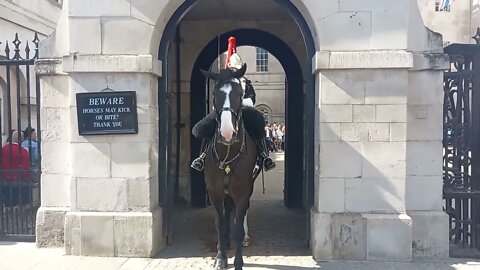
{"type": "Point", "coordinates": [227, 100]}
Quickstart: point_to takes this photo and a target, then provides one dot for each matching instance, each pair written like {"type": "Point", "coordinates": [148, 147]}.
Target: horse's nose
{"type": "Point", "coordinates": [228, 136]}
{"type": "Point", "coordinates": [226, 126]}
{"type": "Point", "coordinates": [227, 133]}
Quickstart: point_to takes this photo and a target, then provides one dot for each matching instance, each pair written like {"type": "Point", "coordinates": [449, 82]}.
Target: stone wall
{"type": "Point", "coordinates": [377, 70]}
{"type": "Point", "coordinates": [368, 112]}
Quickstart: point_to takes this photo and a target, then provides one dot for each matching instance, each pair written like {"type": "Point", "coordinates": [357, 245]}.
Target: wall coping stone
{"type": "Point", "coordinates": [49, 67]}
{"type": "Point", "coordinates": [112, 63]}
{"type": "Point", "coordinates": [430, 61]}
{"type": "Point", "coordinates": [148, 213]}
{"type": "Point", "coordinates": [398, 59]}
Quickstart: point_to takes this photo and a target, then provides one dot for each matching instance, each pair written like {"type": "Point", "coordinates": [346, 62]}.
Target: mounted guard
{"type": "Point", "coordinates": [253, 119]}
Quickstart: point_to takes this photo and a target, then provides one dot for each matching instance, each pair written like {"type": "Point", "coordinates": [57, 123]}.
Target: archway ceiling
{"type": "Point", "coordinates": [247, 10]}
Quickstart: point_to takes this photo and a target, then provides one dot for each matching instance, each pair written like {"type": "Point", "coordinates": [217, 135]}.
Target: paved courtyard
{"type": "Point", "coordinates": [24, 256]}
{"type": "Point", "coordinates": [275, 230]}
{"type": "Point", "coordinates": [278, 243]}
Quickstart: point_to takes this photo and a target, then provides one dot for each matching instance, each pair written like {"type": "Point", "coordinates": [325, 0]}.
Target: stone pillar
{"type": "Point", "coordinates": [55, 146]}
{"type": "Point", "coordinates": [424, 155]}
{"type": "Point", "coordinates": [360, 206]}
{"type": "Point", "coordinates": [55, 137]}
{"type": "Point", "coordinates": [109, 205]}
{"type": "Point", "coordinates": [102, 189]}
{"type": "Point", "coordinates": [114, 187]}
{"type": "Point", "coordinates": [378, 175]}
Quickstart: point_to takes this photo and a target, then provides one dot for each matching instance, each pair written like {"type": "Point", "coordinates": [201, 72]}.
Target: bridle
{"type": "Point", "coordinates": [236, 114]}
{"type": "Point", "coordinates": [224, 163]}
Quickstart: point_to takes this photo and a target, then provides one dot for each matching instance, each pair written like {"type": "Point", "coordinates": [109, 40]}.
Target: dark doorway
{"type": "Point", "coordinates": [294, 160]}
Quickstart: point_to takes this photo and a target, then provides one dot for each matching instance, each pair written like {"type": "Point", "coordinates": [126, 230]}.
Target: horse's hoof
{"type": "Point", "coordinates": [220, 264]}
{"type": "Point", "coordinates": [247, 242]}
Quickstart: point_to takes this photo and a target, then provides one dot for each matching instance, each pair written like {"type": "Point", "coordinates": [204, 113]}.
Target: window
{"type": "Point", "coordinates": [442, 5]}
{"type": "Point", "coordinates": [266, 111]}
{"type": "Point", "coordinates": [262, 60]}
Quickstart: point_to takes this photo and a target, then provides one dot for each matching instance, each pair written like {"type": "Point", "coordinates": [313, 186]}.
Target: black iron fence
{"type": "Point", "coordinates": [461, 142]}
{"type": "Point", "coordinates": [19, 139]}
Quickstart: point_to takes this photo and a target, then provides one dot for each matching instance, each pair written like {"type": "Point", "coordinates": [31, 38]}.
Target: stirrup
{"type": "Point", "coordinates": [198, 163]}
{"type": "Point", "coordinates": [269, 164]}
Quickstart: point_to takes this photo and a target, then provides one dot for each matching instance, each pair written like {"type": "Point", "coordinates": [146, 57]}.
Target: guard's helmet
{"type": "Point", "coordinates": [235, 61]}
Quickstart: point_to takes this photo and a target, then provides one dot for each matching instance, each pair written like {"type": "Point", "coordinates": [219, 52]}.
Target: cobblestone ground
{"type": "Point", "coordinates": [276, 231]}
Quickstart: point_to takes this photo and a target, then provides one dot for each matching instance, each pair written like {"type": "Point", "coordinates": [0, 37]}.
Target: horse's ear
{"type": "Point", "coordinates": [210, 75]}
{"type": "Point", "coordinates": [239, 73]}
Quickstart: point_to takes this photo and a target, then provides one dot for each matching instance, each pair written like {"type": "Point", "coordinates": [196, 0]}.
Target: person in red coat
{"type": "Point", "coordinates": [15, 159]}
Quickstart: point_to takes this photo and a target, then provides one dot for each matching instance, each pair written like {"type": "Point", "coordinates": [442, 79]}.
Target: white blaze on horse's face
{"type": "Point", "coordinates": [226, 126]}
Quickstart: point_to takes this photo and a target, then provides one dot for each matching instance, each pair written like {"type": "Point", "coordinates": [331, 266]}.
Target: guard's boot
{"type": "Point", "coordinates": [268, 162]}
{"type": "Point", "coordinates": [199, 163]}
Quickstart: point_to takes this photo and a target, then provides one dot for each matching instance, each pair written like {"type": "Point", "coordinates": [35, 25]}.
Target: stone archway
{"type": "Point", "coordinates": [300, 191]}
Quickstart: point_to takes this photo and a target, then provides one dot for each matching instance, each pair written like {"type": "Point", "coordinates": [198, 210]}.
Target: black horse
{"type": "Point", "coordinates": [229, 163]}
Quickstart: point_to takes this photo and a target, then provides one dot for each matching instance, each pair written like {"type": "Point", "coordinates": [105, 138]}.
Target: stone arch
{"type": "Point", "coordinates": [307, 78]}
{"type": "Point", "coordinates": [174, 11]}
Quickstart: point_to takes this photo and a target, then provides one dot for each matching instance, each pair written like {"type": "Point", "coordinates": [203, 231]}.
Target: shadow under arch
{"type": "Point", "coordinates": [295, 158]}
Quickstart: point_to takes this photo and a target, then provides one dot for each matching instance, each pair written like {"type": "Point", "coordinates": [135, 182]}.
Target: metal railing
{"type": "Point", "coordinates": [20, 139]}
{"type": "Point", "coordinates": [461, 141]}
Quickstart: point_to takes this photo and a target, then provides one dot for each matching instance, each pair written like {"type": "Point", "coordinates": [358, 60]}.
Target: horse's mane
{"type": "Point", "coordinates": [225, 75]}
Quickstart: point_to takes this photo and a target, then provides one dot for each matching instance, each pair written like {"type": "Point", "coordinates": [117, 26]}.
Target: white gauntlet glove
{"type": "Point", "coordinates": [247, 102]}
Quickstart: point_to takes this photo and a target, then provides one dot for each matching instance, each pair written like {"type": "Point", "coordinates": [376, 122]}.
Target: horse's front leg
{"type": "Point", "coordinates": [247, 241]}
{"type": "Point", "coordinates": [241, 211]}
{"type": "Point", "coordinates": [221, 260]}
{"type": "Point", "coordinates": [228, 204]}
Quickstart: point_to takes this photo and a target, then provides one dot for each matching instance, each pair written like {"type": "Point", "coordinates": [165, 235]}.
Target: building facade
{"type": "Point", "coordinates": [22, 20]}
{"type": "Point", "coordinates": [268, 78]}
{"type": "Point", "coordinates": [364, 88]}
{"type": "Point", "coordinates": [457, 20]}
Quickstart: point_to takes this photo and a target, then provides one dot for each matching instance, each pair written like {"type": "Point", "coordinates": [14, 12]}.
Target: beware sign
{"type": "Point", "coordinates": [101, 113]}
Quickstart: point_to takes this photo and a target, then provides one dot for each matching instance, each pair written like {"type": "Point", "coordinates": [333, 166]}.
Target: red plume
{"type": "Point", "coordinates": [232, 48]}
